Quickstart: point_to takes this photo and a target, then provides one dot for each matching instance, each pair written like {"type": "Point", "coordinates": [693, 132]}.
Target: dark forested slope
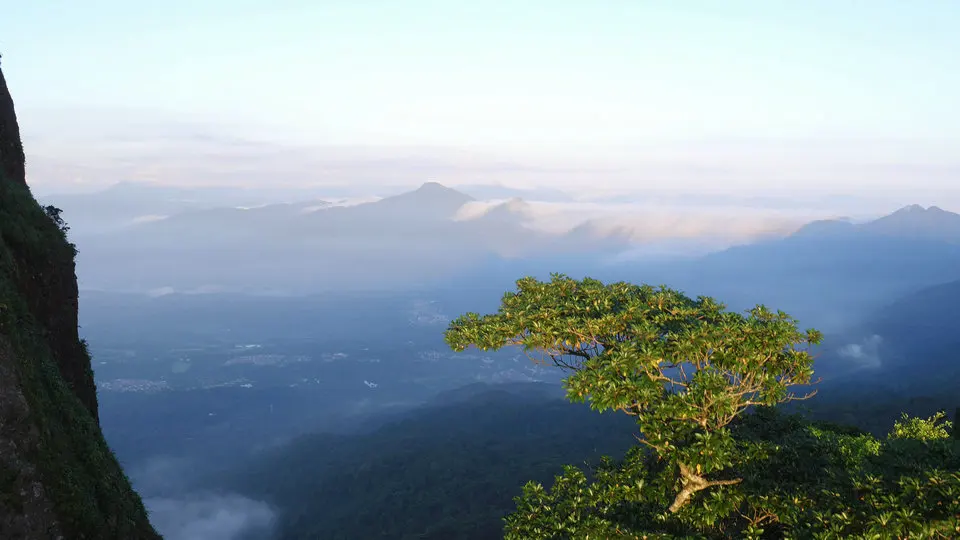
{"type": "Point", "coordinates": [447, 471]}
{"type": "Point", "coordinates": [58, 478]}
{"type": "Point", "coordinates": [905, 357]}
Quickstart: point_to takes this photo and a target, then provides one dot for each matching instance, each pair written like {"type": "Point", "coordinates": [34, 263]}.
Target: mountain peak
{"type": "Point", "coordinates": [433, 186]}
{"type": "Point", "coordinates": [913, 209]}
{"type": "Point", "coordinates": [825, 228]}
{"type": "Point", "coordinates": [916, 211]}
{"type": "Point", "coordinates": [437, 190]}
{"type": "Point", "coordinates": [916, 221]}
{"type": "Point", "coordinates": [432, 192]}
{"type": "Point", "coordinates": [430, 199]}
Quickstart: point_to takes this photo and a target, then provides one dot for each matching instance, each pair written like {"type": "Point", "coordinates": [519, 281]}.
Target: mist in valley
{"type": "Point", "coordinates": [203, 381]}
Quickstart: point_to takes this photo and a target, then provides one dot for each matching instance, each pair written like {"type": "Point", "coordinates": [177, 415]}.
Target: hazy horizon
{"type": "Point", "coordinates": [756, 98]}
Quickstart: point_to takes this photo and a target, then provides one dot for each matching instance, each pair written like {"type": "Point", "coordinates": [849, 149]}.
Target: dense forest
{"type": "Point", "coordinates": [704, 432]}
{"type": "Point", "coordinates": [449, 470]}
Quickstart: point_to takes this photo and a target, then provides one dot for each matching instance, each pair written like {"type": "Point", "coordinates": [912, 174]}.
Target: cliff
{"type": "Point", "coordinates": [58, 477]}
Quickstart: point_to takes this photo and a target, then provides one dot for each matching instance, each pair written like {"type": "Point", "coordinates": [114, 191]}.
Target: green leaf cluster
{"type": "Point", "coordinates": [717, 460]}
{"type": "Point", "coordinates": [800, 480]}
{"type": "Point", "coordinates": [937, 427]}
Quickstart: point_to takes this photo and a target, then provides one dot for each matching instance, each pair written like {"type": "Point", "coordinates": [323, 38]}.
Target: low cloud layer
{"type": "Point", "coordinates": [211, 517]}
{"type": "Point", "coordinates": [180, 512]}
{"type": "Point", "coordinates": [644, 222]}
{"type": "Point", "coordinates": [865, 354]}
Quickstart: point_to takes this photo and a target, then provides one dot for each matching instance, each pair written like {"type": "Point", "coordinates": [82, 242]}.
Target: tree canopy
{"type": "Point", "coordinates": [688, 370]}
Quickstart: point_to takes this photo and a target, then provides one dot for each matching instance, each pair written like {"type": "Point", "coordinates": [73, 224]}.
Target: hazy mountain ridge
{"type": "Point", "coordinates": [831, 269]}
{"type": "Point", "coordinates": [914, 221]}
{"type": "Point", "coordinates": [911, 221]}
{"type": "Point", "coordinates": [439, 236]}
{"type": "Point", "coordinates": [403, 239]}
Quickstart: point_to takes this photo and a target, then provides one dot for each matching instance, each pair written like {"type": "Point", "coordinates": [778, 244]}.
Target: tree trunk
{"type": "Point", "coordinates": [691, 484]}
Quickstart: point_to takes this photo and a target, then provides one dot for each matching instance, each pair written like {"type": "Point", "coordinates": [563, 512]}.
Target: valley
{"type": "Point", "coordinates": [199, 390]}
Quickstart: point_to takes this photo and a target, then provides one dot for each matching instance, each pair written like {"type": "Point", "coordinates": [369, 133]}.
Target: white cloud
{"type": "Point", "coordinates": [865, 353]}
{"type": "Point", "coordinates": [646, 222]}
{"type": "Point", "coordinates": [147, 219]}
{"type": "Point", "coordinates": [210, 517]}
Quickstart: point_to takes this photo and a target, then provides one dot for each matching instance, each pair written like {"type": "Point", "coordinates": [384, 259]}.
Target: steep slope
{"type": "Point", "coordinates": [58, 478]}
{"type": "Point", "coordinates": [12, 161]}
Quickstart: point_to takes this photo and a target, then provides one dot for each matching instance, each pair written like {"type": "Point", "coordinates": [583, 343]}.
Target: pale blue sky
{"type": "Point", "coordinates": [501, 74]}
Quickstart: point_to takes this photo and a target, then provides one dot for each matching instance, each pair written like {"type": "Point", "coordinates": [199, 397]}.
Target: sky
{"type": "Point", "coordinates": [775, 92]}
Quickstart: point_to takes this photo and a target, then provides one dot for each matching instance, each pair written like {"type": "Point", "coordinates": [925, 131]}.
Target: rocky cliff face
{"type": "Point", "coordinates": [11, 149]}
{"type": "Point", "coordinates": [58, 478]}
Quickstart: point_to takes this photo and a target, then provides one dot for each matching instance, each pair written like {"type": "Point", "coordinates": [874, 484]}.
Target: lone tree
{"type": "Point", "coordinates": [684, 368]}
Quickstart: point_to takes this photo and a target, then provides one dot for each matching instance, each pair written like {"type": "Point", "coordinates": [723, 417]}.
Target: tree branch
{"type": "Point", "coordinates": [692, 483]}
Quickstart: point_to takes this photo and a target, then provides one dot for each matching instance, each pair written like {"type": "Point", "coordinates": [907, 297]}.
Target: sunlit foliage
{"type": "Point", "coordinates": [716, 460]}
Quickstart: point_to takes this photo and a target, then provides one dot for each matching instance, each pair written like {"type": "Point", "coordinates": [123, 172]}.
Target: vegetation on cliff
{"type": "Point", "coordinates": [58, 478]}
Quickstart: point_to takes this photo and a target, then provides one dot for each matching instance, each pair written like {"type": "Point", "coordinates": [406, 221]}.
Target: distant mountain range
{"type": "Point", "coordinates": [831, 272]}
{"type": "Point", "coordinates": [827, 272]}
{"type": "Point", "coordinates": [127, 203]}
{"type": "Point", "coordinates": [913, 221]}
{"type": "Point", "coordinates": [413, 238]}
